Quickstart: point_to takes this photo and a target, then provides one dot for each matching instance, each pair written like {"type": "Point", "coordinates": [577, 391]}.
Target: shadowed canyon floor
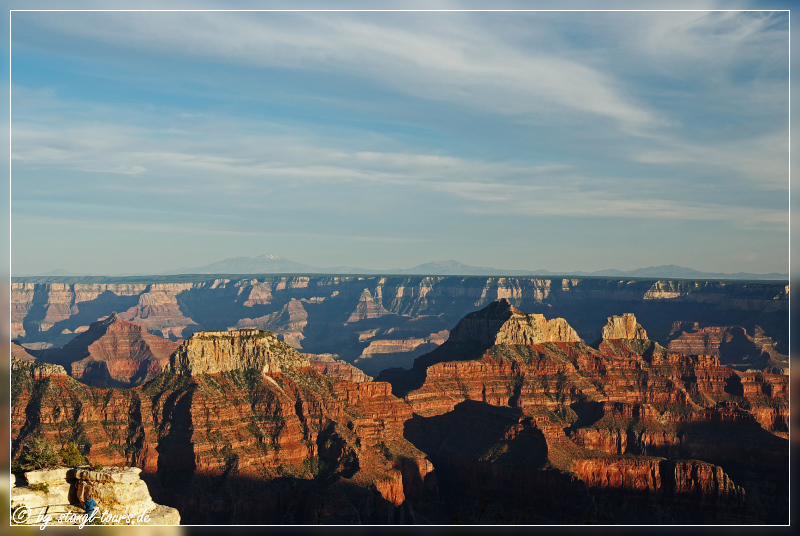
{"type": "Point", "coordinates": [513, 419]}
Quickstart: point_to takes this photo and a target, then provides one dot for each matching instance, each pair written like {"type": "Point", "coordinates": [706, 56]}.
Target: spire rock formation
{"type": "Point", "coordinates": [623, 327]}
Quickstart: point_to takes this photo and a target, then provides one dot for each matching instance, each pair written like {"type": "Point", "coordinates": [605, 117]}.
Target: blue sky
{"type": "Point", "coordinates": [141, 142]}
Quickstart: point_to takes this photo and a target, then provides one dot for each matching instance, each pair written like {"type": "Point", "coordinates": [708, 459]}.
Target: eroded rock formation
{"type": "Point", "coordinates": [335, 314]}
{"type": "Point", "coordinates": [513, 418]}
{"type": "Point", "coordinates": [595, 407]}
{"type": "Point", "coordinates": [733, 344]}
{"type": "Point", "coordinates": [112, 353]}
{"type": "Point", "coordinates": [212, 352]}
{"type": "Point", "coordinates": [328, 365]}
{"type": "Point", "coordinates": [240, 428]}
{"type": "Point", "coordinates": [623, 327]}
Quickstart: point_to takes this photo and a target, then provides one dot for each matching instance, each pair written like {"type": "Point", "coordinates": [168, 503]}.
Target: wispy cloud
{"type": "Point", "coordinates": [384, 125]}
{"type": "Point", "coordinates": [762, 161]}
{"type": "Point", "coordinates": [446, 57]}
{"type": "Point", "coordinates": [483, 187]}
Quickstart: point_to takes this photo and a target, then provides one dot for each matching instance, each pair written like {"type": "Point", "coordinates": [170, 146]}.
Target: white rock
{"type": "Point", "coordinates": [60, 474]}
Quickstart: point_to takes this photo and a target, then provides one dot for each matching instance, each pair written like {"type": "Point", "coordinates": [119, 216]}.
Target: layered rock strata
{"type": "Point", "coordinates": [511, 419]}
{"type": "Point", "coordinates": [329, 314]}
{"type": "Point", "coordinates": [735, 346]}
{"type": "Point", "coordinates": [328, 365]}
{"type": "Point", "coordinates": [623, 327]}
{"type": "Point", "coordinates": [112, 353]}
{"type": "Point", "coordinates": [595, 407]}
{"type": "Point", "coordinates": [238, 420]}
{"type": "Point", "coordinates": [212, 352]}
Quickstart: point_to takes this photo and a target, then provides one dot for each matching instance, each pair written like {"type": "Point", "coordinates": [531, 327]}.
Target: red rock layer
{"type": "Point", "coordinates": [622, 398]}
{"type": "Point", "coordinates": [241, 424]}
{"type": "Point", "coordinates": [542, 429]}
{"type": "Point", "coordinates": [731, 343]}
{"type": "Point", "coordinates": [328, 365]}
{"type": "Point", "coordinates": [113, 353]}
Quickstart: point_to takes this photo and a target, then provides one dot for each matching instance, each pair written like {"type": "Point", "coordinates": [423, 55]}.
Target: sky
{"type": "Point", "coordinates": [146, 141]}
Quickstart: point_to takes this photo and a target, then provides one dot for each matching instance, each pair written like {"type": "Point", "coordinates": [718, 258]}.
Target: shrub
{"type": "Point", "coordinates": [70, 455]}
{"type": "Point", "coordinates": [43, 487]}
{"type": "Point", "coordinates": [36, 454]}
{"type": "Point", "coordinates": [97, 466]}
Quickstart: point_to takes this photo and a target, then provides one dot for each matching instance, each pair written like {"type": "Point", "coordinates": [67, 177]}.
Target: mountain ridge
{"type": "Point", "coordinates": [274, 264]}
{"type": "Point", "coordinates": [268, 263]}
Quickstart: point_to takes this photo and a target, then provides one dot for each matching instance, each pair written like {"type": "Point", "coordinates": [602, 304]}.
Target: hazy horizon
{"type": "Point", "coordinates": [142, 142]}
{"type": "Point", "coordinates": [366, 270]}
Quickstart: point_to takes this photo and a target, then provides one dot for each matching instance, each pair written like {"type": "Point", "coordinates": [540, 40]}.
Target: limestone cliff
{"type": "Point", "coordinates": [37, 371]}
{"type": "Point", "coordinates": [211, 352]}
{"type": "Point", "coordinates": [623, 327]}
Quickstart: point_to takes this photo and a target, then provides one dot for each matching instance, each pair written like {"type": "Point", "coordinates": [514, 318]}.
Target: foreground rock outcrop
{"type": "Point", "coordinates": [122, 497]}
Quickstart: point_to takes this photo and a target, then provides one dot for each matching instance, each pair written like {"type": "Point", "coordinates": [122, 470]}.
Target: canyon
{"type": "Point", "coordinates": [380, 322]}
{"type": "Point", "coordinates": [513, 418]}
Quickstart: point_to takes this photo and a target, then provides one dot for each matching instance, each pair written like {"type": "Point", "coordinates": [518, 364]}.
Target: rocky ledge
{"type": "Point", "coordinates": [122, 497]}
{"type": "Point", "coordinates": [211, 352]}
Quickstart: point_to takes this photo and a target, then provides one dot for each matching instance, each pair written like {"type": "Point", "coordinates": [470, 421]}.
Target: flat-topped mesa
{"type": "Point", "coordinates": [210, 352]}
{"type": "Point", "coordinates": [623, 327]}
{"type": "Point", "coordinates": [502, 323]}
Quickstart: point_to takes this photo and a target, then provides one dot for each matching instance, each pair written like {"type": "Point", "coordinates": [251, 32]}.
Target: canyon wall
{"type": "Point", "coordinates": [377, 322]}
{"type": "Point", "coordinates": [238, 428]}
{"type": "Point", "coordinates": [511, 419]}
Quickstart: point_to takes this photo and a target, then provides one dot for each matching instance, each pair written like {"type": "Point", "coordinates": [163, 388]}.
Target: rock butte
{"type": "Point", "coordinates": [623, 327]}
{"type": "Point", "coordinates": [112, 353]}
{"type": "Point", "coordinates": [512, 419]}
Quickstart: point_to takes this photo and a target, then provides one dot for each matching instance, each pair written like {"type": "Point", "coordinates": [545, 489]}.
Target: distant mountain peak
{"type": "Point", "coordinates": [269, 263]}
